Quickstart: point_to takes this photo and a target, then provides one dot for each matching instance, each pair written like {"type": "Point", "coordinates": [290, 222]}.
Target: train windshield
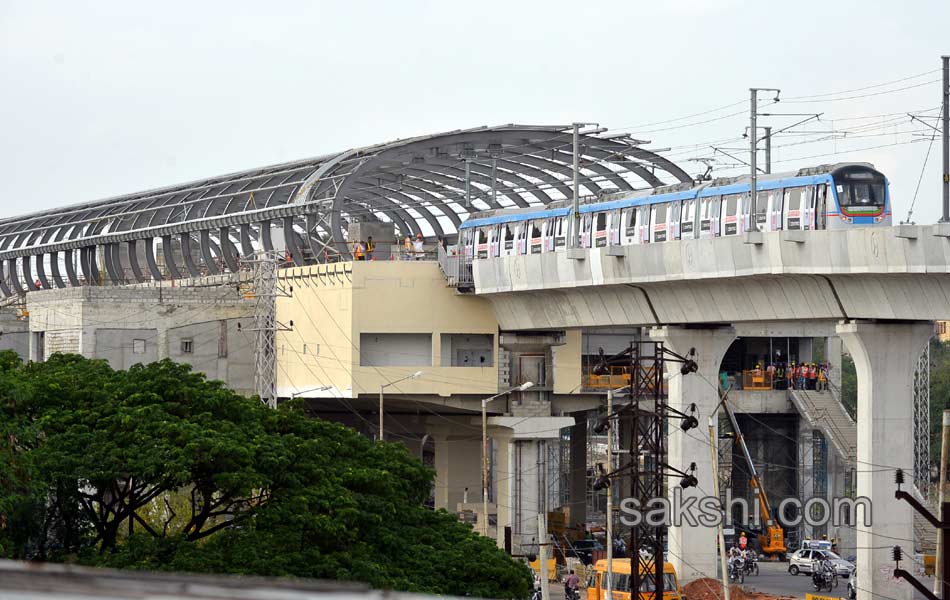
{"type": "Point", "coordinates": [860, 190]}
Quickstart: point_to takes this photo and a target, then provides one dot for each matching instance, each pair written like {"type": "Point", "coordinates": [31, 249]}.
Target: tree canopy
{"type": "Point", "coordinates": [158, 468]}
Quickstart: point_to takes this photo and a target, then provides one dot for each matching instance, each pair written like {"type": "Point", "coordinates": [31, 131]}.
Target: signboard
{"type": "Point", "coordinates": [809, 596]}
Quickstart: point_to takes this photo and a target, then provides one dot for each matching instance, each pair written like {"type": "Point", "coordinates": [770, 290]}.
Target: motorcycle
{"type": "Point", "coordinates": [571, 594]}
{"type": "Point", "coordinates": [823, 576]}
{"type": "Point", "coordinates": [751, 565]}
{"type": "Point", "coordinates": [737, 569]}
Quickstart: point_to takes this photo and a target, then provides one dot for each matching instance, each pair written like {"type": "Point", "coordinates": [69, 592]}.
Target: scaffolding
{"type": "Point", "coordinates": [922, 423]}
{"type": "Point", "coordinates": [264, 290]}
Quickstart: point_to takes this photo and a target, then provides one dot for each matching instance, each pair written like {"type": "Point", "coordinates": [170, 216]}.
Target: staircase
{"type": "Point", "coordinates": [824, 412]}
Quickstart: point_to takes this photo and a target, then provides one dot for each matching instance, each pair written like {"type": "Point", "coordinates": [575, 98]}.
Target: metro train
{"type": "Point", "coordinates": [834, 196]}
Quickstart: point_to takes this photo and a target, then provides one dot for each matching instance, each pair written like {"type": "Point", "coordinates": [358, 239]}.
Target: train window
{"type": "Point", "coordinates": [732, 204]}
{"type": "Point", "coordinates": [482, 236]}
{"type": "Point", "coordinates": [509, 233]}
{"type": "Point", "coordinates": [631, 218]}
{"type": "Point", "coordinates": [794, 197]}
{"type": "Point", "coordinates": [761, 207]}
{"type": "Point", "coordinates": [535, 230]}
{"type": "Point", "coordinates": [660, 213]}
{"type": "Point", "coordinates": [601, 221]}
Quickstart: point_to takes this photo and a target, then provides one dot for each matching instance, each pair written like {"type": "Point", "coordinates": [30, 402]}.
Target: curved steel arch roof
{"type": "Point", "coordinates": [417, 184]}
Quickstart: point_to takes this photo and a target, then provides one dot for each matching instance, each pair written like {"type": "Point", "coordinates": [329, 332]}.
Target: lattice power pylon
{"type": "Point", "coordinates": [922, 422]}
{"type": "Point", "coordinates": [644, 419]}
{"type": "Point", "coordinates": [265, 289]}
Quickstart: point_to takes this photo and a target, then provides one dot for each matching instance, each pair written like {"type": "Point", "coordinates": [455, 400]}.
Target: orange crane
{"type": "Point", "coordinates": [773, 540]}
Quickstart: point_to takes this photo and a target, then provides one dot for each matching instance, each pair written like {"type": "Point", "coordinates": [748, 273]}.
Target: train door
{"type": "Point", "coordinates": [644, 219]}
{"type": "Point", "coordinates": [629, 232]}
{"type": "Point", "coordinates": [600, 229]}
{"type": "Point", "coordinates": [793, 207]}
{"type": "Point", "coordinates": [547, 235]}
{"type": "Point", "coordinates": [507, 239]}
{"type": "Point", "coordinates": [521, 237]}
{"type": "Point", "coordinates": [808, 208]}
{"type": "Point", "coordinates": [776, 198]}
{"type": "Point", "coordinates": [535, 237]}
{"type": "Point", "coordinates": [481, 242]}
{"type": "Point", "coordinates": [658, 221]}
{"type": "Point", "coordinates": [494, 241]}
{"type": "Point", "coordinates": [709, 209]}
{"type": "Point", "coordinates": [730, 215]}
{"type": "Point", "coordinates": [688, 220]}
{"type": "Point", "coordinates": [761, 210]}
{"type": "Point", "coordinates": [674, 219]}
{"type": "Point", "coordinates": [613, 227]}
{"type": "Point", "coordinates": [821, 207]}
{"type": "Point", "coordinates": [586, 222]}
{"type": "Point", "coordinates": [560, 235]}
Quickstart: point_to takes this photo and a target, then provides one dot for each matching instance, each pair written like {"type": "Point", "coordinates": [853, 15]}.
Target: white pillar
{"type": "Point", "coordinates": [885, 356]}
{"type": "Point", "coordinates": [693, 549]}
{"type": "Point", "coordinates": [457, 466]}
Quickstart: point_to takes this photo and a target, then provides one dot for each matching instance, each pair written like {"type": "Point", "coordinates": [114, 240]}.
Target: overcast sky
{"type": "Point", "coordinates": [104, 98]}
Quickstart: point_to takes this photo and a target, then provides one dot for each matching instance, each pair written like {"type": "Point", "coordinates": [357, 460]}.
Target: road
{"type": "Point", "coordinates": [774, 579]}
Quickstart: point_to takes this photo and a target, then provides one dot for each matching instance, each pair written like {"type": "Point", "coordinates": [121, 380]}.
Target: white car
{"type": "Point", "coordinates": [802, 561]}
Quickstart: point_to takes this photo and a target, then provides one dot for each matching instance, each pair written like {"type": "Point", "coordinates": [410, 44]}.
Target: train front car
{"type": "Point", "coordinates": [862, 197]}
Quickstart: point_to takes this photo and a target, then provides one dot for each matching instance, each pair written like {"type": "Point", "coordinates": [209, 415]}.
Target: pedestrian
{"type": "Point", "coordinates": [822, 379]}
{"type": "Point", "coordinates": [791, 376]}
{"type": "Point", "coordinates": [780, 377]}
{"type": "Point", "coordinates": [359, 251]}
{"type": "Point", "coordinates": [407, 248]}
{"type": "Point", "coordinates": [800, 376]}
{"type": "Point", "coordinates": [418, 247]}
{"type": "Point", "coordinates": [370, 246]}
{"type": "Point", "coordinates": [771, 370]}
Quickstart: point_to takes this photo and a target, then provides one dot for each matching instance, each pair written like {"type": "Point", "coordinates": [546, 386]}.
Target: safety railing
{"type": "Point", "coordinates": [757, 380]}
{"type": "Point", "coordinates": [456, 267]}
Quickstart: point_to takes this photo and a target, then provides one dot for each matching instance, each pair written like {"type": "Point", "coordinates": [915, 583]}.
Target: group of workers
{"type": "Point", "coordinates": [786, 376]}
{"type": "Point", "coordinates": [412, 249]}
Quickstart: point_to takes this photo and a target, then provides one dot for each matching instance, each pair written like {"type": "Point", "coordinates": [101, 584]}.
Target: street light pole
{"type": "Point", "coordinates": [485, 401]}
{"type": "Point", "coordinates": [382, 388]}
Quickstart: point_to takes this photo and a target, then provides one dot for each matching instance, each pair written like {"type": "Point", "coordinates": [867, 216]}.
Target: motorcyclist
{"type": "Point", "coordinates": [571, 584]}
{"type": "Point", "coordinates": [822, 574]}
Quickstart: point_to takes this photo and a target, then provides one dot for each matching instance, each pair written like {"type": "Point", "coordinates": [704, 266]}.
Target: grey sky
{"type": "Point", "coordinates": [104, 98]}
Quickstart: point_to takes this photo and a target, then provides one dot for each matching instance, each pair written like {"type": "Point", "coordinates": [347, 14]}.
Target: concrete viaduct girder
{"type": "Point", "coordinates": [871, 274]}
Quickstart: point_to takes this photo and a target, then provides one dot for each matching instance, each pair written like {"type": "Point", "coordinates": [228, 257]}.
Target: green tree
{"type": "Point", "coordinates": [158, 468]}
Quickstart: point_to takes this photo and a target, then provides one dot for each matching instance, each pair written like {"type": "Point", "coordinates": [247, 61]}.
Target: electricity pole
{"type": "Point", "coordinates": [946, 139]}
{"type": "Point", "coordinates": [576, 229]}
{"type": "Point", "coordinates": [754, 151]}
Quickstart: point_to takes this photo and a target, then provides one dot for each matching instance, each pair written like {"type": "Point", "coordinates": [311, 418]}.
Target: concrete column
{"type": "Point", "coordinates": [578, 478]}
{"type": "Point", "coordinates": [518, 486]}
{"type": "Point", "coordinates": [805, 353]}
{"type": "Point", "coordinates": [458, 464]}
{"type": "Point", "coordinates": [885, 356]}
{"type": "Point", "coordinates": [693, 549]}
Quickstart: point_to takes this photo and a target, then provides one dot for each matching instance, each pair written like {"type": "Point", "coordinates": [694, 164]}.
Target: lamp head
{"type": "Point", "coordinates": [525, 386]}
{"type": "Point", "coordinates": [416, 375]}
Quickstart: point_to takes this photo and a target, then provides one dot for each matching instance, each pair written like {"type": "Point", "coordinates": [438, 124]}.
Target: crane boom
{"type": "Point", "coordinates": [773, 543]}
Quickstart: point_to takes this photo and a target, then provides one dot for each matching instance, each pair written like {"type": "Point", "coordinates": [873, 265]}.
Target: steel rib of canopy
{"type": "Point", "coordinates": [417, 184]}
